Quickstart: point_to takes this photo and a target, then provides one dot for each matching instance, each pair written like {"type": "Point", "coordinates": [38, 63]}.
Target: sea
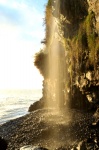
{"type": "Point", "coordinates": [15, 103]}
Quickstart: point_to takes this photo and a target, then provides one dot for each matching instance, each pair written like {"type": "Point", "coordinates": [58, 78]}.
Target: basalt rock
{"type": "Point", "coordinates": [88, 85]}
{"type": "Point", "coordinates": [36, 105]}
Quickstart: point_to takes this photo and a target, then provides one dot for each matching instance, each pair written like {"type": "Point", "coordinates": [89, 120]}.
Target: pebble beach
{"type": "Point", "coordinates": [49, 129]}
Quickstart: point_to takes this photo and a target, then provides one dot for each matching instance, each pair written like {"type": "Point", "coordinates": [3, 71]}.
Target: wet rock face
{"type": "Point", "coordinates": [74, 12]}
{"type": "Point", "coordinates": [88, 83]}
{"type": "Point", "coordinates": [29, 147]}
{"type": "Point", "coordinates": [94, 6]}
{"type": "Point", "coordinates": [96, 116]}
{"type": "Point", "coordinates": [68, 7]}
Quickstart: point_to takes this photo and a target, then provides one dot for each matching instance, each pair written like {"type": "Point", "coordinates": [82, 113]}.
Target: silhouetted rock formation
{"type": "Point", "coordinates": [36, 105]}
{"type": "Point", "coordinates": [3, 144]}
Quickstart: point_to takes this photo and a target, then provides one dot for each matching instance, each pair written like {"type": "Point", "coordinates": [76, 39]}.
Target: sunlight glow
{"type": "Point", "coordinates": [20, 38]}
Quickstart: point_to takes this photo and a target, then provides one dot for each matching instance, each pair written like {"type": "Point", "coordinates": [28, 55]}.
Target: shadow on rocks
{"type": "Point", "coordinates": [3, 144]}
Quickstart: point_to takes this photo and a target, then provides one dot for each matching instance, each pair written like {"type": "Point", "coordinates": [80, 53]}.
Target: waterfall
{"type": "Point", "coordinates": [56, 60]}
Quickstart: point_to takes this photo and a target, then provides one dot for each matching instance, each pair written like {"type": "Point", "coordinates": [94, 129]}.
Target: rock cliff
{"type": "Point", "coordinates": [78, 35]}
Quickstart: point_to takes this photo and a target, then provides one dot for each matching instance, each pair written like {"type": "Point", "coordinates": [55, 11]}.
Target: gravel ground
{"type": "Point", "coordinates": [49, 129]}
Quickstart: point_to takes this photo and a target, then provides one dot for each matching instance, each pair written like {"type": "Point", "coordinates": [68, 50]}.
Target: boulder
{"type": "Point", "coordinates": [37, 105]}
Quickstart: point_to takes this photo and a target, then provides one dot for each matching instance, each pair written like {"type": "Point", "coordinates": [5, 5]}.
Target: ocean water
{"type": "Point", "coordinates": [15, 103]}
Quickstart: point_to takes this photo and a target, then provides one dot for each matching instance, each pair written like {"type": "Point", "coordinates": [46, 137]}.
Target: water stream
{"type": "Point", "coordinates": [56, 60]}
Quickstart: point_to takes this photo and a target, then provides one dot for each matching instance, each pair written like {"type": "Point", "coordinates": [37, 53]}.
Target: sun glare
{"type": "Point", "coordinates": [18, 43]}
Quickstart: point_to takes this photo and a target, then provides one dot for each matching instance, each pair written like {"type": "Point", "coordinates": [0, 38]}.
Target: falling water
{"type": "Point", "coordinates": [56, 60]}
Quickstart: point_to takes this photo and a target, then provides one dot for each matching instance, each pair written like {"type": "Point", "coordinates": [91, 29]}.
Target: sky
{"type": "Point", "coordinates": [21, 33]}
